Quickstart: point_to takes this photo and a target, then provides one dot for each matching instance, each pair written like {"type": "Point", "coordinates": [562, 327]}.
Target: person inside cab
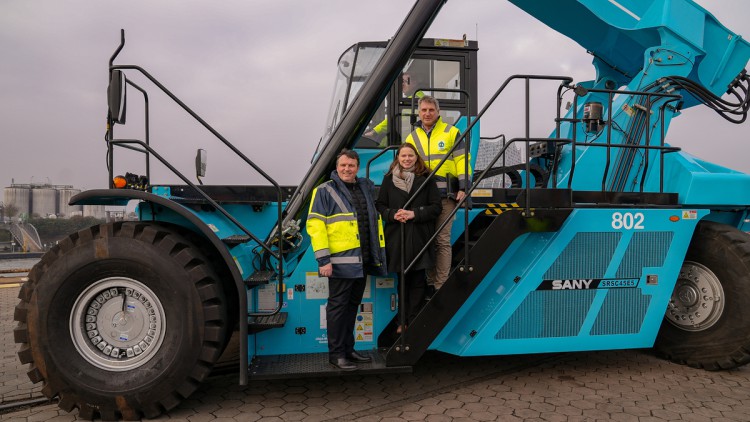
{"type": "Point", "coordinates": [409, 85]}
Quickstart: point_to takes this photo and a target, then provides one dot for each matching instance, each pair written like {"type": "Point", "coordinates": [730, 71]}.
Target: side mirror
{"type": "Point", "coordinates": [200, 163]}
{"type": "Point", "coordinates": [116, 96]}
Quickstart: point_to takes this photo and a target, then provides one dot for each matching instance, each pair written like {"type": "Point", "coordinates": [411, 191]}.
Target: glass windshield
{"type": "Point", "coordinates": [354, 67]}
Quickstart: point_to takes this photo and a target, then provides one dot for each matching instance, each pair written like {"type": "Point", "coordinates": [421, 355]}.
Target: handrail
{"type": "Point", "coordinates": [475, 185]}
{"type": "Point", "coordinates": [122, 142]}
{"type": "Point", "coordinates": [470, 126]}
{"type": "Point", "coordinates": [376, 156]}
{"type": "Point", "coordinates": [199, 119]}
{"type": "Point", "coordinates": [147, 115]}
{"type": "Point", "coordinates": [610, 99]}
{"type": "Point", "coordinates": [184, 106]}
{"type": "Point", "coordinates": [466, 136]}
{"type": "Point", "coordinates": [565, 83]}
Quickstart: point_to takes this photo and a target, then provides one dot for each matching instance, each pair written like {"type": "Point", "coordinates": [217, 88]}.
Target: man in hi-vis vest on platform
{"type": "Point", "coordinates": [433, 138]}
{"type": "Point", "coordinates": [346, 233]}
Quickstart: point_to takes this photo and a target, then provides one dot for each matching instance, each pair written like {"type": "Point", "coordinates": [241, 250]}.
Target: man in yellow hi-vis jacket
{"type": "Point", "coordinates": [433, 138]}
{"type": "Point", "coordinates": [347, 236]}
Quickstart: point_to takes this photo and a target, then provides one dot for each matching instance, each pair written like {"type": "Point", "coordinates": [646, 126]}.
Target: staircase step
{"type": "Point", "coordinates": [493, 242]}
{"type": "Point", "coordinates": [260, 277]}
{"type": "Point", "coordinates": [306, 365]}
{"type": "Point", "coordinates": [235, 240]}
{"type": "Point", "coordinates": [262, 323]}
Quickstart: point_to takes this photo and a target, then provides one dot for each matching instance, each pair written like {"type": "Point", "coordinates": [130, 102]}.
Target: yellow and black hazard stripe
{"type": "Point", "coordinates": [497, 209]}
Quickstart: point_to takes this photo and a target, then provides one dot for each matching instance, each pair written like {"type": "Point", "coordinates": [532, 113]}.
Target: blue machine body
{"type": "Point", "coordinates": [587, 286]}
{"type": "Point", "coordinates": [604, 235]}
{"type": "Point", "coordinates": [604, 277]}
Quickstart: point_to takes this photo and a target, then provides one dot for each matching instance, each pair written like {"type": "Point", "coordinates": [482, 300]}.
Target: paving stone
{"type": "Point", "coordinates": [291, 416]}
{"type": "Point", "coordinates": [438, 418]}
{"type": "Point", "coordinates": [721, 407]}
{"type": "Point", "coordinates": [457, 413]}
{"type": "Point", "coordinates": [624, 417]}
{"type": "Point", "coordinates": [526, 413]}
{"type": "Point", "coordinates": [665, 415]}
{"type": "Point", "coordinates": [433, 409]}
{"type": "Point", "coordinates": [583, 404]}
{"type": "Point", "coordinates": [508, 418]}
{"type": "Point", "coordinates": [268, 419]}
{"type": "Point", "coordinates": [573, 387]}
{"type": "Point", "coordinates": [553, 417]}
{"type": "Point", "coordinates": [532, 398]}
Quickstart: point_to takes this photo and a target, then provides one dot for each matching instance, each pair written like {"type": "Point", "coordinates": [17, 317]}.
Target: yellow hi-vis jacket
{"type": "Point", "coordinates": [382, 128]}
{"type": "Point", "coordinates": [435, 146]}
{"type": "Point", "coordinates": [334, 232]}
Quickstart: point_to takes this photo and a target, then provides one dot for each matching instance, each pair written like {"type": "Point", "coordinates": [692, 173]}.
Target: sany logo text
{"type": "Point", "coordinates": [571, 284]}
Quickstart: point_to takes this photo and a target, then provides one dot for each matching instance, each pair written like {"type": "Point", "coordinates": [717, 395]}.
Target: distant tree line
{"type": "Point", "coordinates": [53, 229]}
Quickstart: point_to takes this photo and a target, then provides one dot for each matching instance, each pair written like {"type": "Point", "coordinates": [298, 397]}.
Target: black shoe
{"type": "Point", "coordinates": [429, 292]}
{"type": "Point", "coordinates": [357, 358]}
{"type": "Point", "coordinates": [343, 364]}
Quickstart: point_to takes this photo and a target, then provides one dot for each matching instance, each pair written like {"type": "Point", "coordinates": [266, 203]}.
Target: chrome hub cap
{"type": "Point", "coordinates": [698, 298]}
{"type": "Point", "coordinates": [117, 324]}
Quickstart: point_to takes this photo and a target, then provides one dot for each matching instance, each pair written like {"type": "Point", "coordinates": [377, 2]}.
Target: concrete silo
{"type": "Point", "coordinates": [20, 197]}
{"type": "Point", "coordinates": [43, 201]}
{"type": "Point", "coordinates": [96, 211]}
{"type": "Point", "coordinates": [63, 197]}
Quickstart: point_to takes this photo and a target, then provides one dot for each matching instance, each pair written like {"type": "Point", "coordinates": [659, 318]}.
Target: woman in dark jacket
{"type": "Point", "coordinates": [407, 173]}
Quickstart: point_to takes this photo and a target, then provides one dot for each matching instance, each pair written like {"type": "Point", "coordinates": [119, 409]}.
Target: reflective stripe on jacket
{"type": "Point", "coordinates": [334, 233]}
{"type": "Point", "coordinates": [434, 148]}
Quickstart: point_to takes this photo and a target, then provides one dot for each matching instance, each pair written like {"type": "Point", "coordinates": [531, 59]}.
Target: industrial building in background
{"type": "Point", "coordinates": [47, 201]}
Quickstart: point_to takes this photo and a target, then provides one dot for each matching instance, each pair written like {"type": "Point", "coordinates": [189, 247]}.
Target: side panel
{"type": "Point", "coordinates": [305, 300]}
{"type": "Point", "coordinates": [602, 282]}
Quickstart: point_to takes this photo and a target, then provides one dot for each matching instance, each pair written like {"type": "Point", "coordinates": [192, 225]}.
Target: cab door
{"type": "Point", "coordinates": [444, 69]}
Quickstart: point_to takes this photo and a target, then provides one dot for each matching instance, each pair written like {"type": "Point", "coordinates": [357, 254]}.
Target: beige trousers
{"type": "Point", "coordinates": [444, 252]}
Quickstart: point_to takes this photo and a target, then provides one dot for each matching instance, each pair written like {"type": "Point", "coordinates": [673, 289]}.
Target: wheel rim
{"type": "Point", "coordinates": [117, 324]}
{"type": "Point", "coordinates": [697, 302]}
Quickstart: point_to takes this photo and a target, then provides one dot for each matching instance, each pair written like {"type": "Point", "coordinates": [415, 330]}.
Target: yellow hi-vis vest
{"type": "Point", "coordinates": [435, 147]}
{"type": "Point", "coordinates": [334, 232]}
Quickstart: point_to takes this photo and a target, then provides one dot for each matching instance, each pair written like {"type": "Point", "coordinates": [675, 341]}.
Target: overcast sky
{"type": "Point", "coordinates": [260, 71]}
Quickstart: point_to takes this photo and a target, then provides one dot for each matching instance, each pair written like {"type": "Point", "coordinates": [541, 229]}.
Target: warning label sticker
{"type": "Point", "coordinates": [363, 324]}
{"type": "Point", "coordinates": [316, 287]}
{"type": "Point", "coordinates": [384, 282]}
{"type": "Point", "coordinates": [689, 214]}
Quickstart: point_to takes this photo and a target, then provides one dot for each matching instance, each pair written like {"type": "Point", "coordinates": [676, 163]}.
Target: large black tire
{"type": "Point", "coordinates": [707, 324]}
{"type": "Point", "coordinates": [146, 293]}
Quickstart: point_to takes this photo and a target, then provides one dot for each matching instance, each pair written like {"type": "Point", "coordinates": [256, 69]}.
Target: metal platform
{"type": "Point", "coordinates": [315, 365]}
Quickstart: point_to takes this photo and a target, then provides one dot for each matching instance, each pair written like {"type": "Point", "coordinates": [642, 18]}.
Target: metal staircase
{"type": "Point", "coordinates": [491, 234]}
{"type": "Point", "coordinates": [26, 236]}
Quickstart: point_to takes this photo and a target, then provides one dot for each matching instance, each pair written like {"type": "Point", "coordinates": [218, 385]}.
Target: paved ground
{"type": "Point", "coordinates": [602, 386]}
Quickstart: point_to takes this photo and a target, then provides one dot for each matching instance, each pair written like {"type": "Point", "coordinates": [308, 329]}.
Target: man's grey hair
{"type": "Point", "coordinates": [431, 100]}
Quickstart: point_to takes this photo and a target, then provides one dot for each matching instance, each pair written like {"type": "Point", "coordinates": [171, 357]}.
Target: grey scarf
{"type": "Point", "coordinates": [403, 178]}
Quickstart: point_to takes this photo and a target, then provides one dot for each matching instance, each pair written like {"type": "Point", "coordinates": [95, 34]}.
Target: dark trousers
{"type": "Point", "coordinates": [416, 283]}
{"type": "Point", "coordinates": [344, 297]}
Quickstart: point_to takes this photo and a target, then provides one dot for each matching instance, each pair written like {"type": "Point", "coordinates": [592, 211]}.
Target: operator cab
{"type": "Point", "coordinates": [444, 69]}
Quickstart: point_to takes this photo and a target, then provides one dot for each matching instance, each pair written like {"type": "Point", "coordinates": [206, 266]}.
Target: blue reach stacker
{"type": "Point", "coordinates": [605, 236]}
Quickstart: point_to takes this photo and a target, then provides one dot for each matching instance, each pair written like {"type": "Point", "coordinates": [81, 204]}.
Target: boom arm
{"type": "Point", "coordinates": [366, 102]}
{"type": "Point", "coordinates": [622, 34]}
{"type": "Point", "coordinates": [648, 46]}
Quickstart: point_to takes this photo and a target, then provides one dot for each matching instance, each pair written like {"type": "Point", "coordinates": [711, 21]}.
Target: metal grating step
{"type": "Point", "coordinates": [235, 240]}
{"type": "Point", "coordinates": [258, 324]}
{"type": "Point", "coordinates": [316, 365]}
{"type": "Point", "coordinates": [260, 277]}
